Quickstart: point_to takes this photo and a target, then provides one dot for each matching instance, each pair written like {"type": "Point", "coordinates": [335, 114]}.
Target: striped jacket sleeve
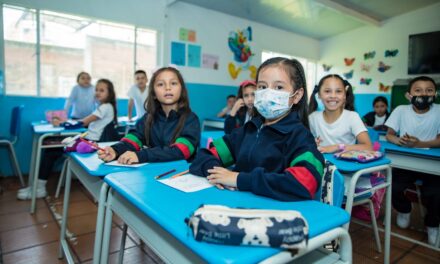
{"type": "Point", "coordinates": [220, 153]}
{"type": "Point", "coordinates": [300, 180]}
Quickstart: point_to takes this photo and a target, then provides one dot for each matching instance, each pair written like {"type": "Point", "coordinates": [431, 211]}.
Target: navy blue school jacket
{"type": "Point", "coordinates": [280, 161]}
{"type": "Point", "coordinates": [161, 147]}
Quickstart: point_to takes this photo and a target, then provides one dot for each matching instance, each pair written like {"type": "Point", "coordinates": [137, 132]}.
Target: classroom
{"type": "Point", "coordinates": [233, 131]}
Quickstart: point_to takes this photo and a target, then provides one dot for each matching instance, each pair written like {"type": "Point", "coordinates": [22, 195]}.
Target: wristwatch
{"type": "Point", "coordinates": [341, 147]}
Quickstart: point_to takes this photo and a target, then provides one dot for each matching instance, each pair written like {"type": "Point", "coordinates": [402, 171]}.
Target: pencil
{"type": "Point", "coordinates": [164, 174]}
{"type": "Point", "coordinates": [91, 144]}
{"type": "Point", "coordinates": [180, 174]}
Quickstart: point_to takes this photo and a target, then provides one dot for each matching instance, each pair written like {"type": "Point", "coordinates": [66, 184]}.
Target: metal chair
{"type": "Point", "coordinates": [9, 142]}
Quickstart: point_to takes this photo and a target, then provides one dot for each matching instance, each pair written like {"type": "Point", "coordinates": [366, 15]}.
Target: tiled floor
{"type": "Point", "coordinates": [27, 238]}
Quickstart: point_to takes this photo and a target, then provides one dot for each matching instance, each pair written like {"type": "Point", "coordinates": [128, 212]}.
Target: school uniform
{"type": "Point", "coordinates": [160, 146]}
{"type": "Point", "coordinates": [280, 161]}
{"type": "Point", "coordinates": [139, 99]}
{"type": "Point", "coordinates": [343, 131]}
{"type": "Point", "coordinates": [404, 120]}
{"type": "Point", "coordinates": [83, 101]}
{"type": "Point", "coordinates": [373, 120]}
{"type": "Point", "coordinates": [232, 122]}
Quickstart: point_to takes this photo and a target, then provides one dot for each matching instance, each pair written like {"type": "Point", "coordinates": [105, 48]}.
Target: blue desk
{"type": "Point", "coordinates": [354, 170]}
{"type": "Point", "coordinates": [214, 122]}
{"type": "Point", "coordinates": [156, 212]}
{"type": "Point", "coordinates": [208, 136]}
{"type": "Point", "coordinates": [89, 170]}
{"type": "Point", "coordinates": [413, 159]}
{"type": "Point", "coordinates": [40, 132]}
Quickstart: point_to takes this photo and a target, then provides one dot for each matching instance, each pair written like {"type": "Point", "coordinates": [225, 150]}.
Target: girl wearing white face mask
{"type": "Point", "coordinates": [275, 154]}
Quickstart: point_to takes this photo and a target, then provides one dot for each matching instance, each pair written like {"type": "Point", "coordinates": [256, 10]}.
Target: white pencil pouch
{"type": "Point", "coordinates": [249, 227]}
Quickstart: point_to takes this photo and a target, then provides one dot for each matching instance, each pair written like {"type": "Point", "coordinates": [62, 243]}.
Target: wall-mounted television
{"type": "Point", "coordinates": [424, 53]}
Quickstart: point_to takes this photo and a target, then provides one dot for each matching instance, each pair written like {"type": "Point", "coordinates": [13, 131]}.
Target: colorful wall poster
{"type": "Point", "coordinates": [178, 53]}
{"type": "Point", "coordinates": [194, 52]}
{"type": "Point", "coordinates": [210, 61]}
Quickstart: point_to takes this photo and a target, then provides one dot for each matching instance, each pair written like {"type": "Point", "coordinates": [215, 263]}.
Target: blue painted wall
{"type": "Point", "coordinates": [363, 103]}
{"type": "Point", "coordinates": [205, 100]}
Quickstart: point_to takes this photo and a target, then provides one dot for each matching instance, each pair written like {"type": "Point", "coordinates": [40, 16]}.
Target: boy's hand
{"type": "Point", "coordinates": [129, 157]}
{"type": "Point", "coordinates": [223, 177]}
{"type": "Point", "coordinates": [409, 141]}
{"type": "Point", "coordinates": [108, 154]}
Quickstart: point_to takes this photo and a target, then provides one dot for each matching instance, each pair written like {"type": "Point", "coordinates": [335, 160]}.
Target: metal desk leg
{"type": "Point", "coordinates": [122, 247]}
{"type": "Point", "coordinates": [389, 178]}
{"type": "Point", "coordinates": [107, 228]}
{"type": "Point", "coordinates": [100, 223]}
{"type": "Point", "coordinates": [64, 246]}
{"type": "Point", "coordinates": [36, 173]}
{"type": "Point", "coordinates": [33, 157]}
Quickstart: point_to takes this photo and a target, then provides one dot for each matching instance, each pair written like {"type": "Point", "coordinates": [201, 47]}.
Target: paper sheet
{"type": "Point", "coordinates": [46, 128]}
{"type": "Point", "coordinates": [187, 183]}
{"type": "Point", "coordinates": [363, 183]}
{"type": "Point", "coordinates": [116, 163]}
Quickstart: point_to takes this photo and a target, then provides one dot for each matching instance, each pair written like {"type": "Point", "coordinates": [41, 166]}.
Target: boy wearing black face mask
{"type": "Point", "coordinates": [419, 126]}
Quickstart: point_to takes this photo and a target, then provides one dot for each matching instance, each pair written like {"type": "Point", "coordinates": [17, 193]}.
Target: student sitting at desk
{"type": "Point", "coordinates": [169, 129]}
{"type": "Point", "coordinates": [243, 109]}
{"type": "Point", "coordinates": [96, 122]}
{"type": "Point", "coordinates": [138, 95]}
{"type": "Point", "coordinates": [230, 101]}
{"type": "Point", "coordinates": [419, 127]}
{"type": "Point", "coordinates": [377, 118]}
{"type": "Point", "coordinates": [81, 98]}
{"type": "Point", "coordinates": [274, 154]}
{"type": "Point", "coordinates": [338, 127]}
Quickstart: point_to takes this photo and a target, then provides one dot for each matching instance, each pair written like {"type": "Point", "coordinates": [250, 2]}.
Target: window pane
{"type": "Point", "coordinates": [19, 25]}
{"type": "Point", "coordinates": [71, 44]}
{"type": "Point", "coordinates": [146, 55]}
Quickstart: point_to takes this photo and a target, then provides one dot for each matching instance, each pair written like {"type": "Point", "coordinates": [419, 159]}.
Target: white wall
{"type": "Point", "coordinates": [212, 34]}
{"type": "Point", "coordinates": [393, 34]}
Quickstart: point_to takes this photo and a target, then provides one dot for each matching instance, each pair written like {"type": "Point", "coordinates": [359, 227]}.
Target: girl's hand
{"type": "Point", "coordinates": [129, 157]}
{"type": "Point", "coordinates": [329, 149]}
{"type": "Point", "coordinates": [224, 177]}
{"type": "Point", "coordinates": [318, 141]}
{"type": "Point", "coordinates": [108, 154]}
{"type": "Point", "coordinates": [238, 104]}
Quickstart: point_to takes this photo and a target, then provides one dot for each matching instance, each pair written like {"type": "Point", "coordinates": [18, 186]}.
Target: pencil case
{"type": "Point", "coordinates": [362, 156]}
{"type": "Point", "coordinates": [249, 227]}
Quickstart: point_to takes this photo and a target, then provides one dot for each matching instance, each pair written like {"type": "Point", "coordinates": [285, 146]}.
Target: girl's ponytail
{"type": "Point", "coordinates": [313, 103]}
{"type": "Point", "coordinates": [349, 96]}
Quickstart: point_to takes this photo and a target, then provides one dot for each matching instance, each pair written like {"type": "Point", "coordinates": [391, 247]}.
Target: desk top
{"type": "Point", "coordinates": [432, 152]}
{"type": "Point", "coordinates": [218, 119]}
{"type": "Point", "coordinates": [44, 127]}
{"type": "Point", "coordinates": [169, 207]}
{"type": "Point", "coordinates": [353, 166]}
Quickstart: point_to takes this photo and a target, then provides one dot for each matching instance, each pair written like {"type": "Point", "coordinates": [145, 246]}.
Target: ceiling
{"type": "Point", "coordinates": [318, 19]}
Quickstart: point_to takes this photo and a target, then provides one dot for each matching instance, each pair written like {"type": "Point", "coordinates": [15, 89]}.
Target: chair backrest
{"type": "Point", "coordinates": [332, 188]}
{"type": "Point", "coordinates": [16, 114]}
{"type": "Point", "coordinates": [374, 136]}
{"type": "Point", "coordinates": [110, 133]}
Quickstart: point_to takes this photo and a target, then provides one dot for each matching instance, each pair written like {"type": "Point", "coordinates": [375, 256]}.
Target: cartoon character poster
{"type": "Point", "coordinates": [239, 44]}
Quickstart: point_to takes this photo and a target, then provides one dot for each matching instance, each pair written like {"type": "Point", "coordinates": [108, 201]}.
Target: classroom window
{"type": "Point", "coordinates": [19, 29]}
{"type": "Point", "coordinates": [309, 67]}
{"type": "Point", "coordinates": [70, 44]}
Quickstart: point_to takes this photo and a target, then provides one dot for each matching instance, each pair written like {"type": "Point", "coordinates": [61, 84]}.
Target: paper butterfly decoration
{"type": "Point", "coordinates": [349, 61]}
{"type": "Point", "coordinates": [391, 53]}
{"type": "Point", "coordinates": [365, 67]}
{"type": "Point", "coordinates": [383, 87]}
{"type": "Point", "coordinates": [348, 75]}
{"type": "Point", "coordinates": [366, 81]}
{"type": "Point", "coordinates": [327, 67]}
{"type": "Point", "coordinates": [369, 55]}
{"type": "Point", "coordinates": [382, 67]}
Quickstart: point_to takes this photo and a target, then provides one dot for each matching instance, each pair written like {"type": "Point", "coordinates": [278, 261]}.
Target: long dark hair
{"type": "Point", "coordinates": [111, 99]}
{"type": "Point", "coordinates": [152, 105]}
{"type": "Point", "coordinates": [243, 85]}
{"type": "Point", "coordinates": [296, 73]}
{"type": "Point", "coordinates": [349, 95]}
